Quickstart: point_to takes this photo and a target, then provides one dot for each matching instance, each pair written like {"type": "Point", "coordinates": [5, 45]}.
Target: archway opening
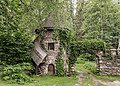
{"type": "Point", "coordinates": [51, 69]}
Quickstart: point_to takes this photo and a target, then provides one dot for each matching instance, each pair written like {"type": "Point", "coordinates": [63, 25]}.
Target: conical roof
{"type": "Point", "coordinates": [49, 22]}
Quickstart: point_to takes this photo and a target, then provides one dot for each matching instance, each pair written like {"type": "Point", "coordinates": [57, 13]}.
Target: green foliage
{"type": "Point", "coordinates": [15, 42]}
{"type": "Point", "coordinates": [85, 46]}
{"type": "Point", "coordinates": [60, 67]}
{"type": "Point", "coordinates": [10, 14]}
{"type": "Point", "coordinates": [15, 47]}
{"type": "Point", "coordinates": [90, 66]}
{"type": "Point", "coordinates": [101, 20]}
{"type": "Point", "coordinates": [39, 10]}
{"type": "Point", "coordinates": [46, 81]}
{"type": "Point", "coordinates": [16, 73]}
{"type": "Point", "coordinates": [60, 64]}
{"type": "Point", "coordinates": [87, 57]}
{"type": "Point", "coordinates": [64, 36]}
{"type": "Point", "coordinates": [80, 60]}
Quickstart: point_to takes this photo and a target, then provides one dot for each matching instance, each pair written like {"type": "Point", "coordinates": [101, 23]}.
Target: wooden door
{"type": "Point", "coordinates": [51, 69]}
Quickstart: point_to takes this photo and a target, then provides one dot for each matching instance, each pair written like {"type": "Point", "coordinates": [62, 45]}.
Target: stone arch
{"type": "Point", "coordinates": [51, 69]}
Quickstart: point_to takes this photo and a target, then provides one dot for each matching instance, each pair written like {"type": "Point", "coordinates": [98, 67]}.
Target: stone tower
{"type": "Point", "coordinates": [44, 59]}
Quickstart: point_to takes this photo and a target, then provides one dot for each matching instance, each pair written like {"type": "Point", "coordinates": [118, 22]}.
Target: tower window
{"type": "Point", "coordinates": [50, 46]}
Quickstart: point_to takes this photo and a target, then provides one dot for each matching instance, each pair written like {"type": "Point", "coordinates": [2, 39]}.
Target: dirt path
{"type": "Point", "coordinates": [114, 83]}
{"type": "Point", "coordinates": [97, 82]}
{"type": "Point", "coordinates": [106, 83]}
{"type": "Point", "coordinates": [80, 78]}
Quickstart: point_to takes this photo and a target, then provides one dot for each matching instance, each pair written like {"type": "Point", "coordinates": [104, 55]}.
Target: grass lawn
{"type": "Point", "coordinates": [46, 81]}
{"type": "Point", "coordinates": [65, 81]}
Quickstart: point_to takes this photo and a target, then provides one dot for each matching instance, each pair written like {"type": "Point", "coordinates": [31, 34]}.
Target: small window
{"type": "Point", "coordinates": [50, 46]}
{"type": "Point", "coordinates": [49, 29]}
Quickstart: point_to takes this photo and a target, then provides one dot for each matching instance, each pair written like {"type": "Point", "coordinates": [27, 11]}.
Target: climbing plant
{"type": "Point", "coordinates": [60, 64]}
{"type": "Point", "coordinates": [63, 35]}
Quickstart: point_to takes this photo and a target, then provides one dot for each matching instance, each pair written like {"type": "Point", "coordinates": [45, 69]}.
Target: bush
{"type": "Point", "coordinates": [15, 47]}
{"type": "Point", "coordinates": [60, 67]}
{"type": "Point", "coordinates": [16, 73]}
{"type": "Point", "coordinates": [90, 66]}
{"type": "Point", "coordinates": [87, 57]}
{"type": "Point", "coordinates": [1, 67]}
{"type": "Point", "coordinates": [60, 64]}
{"type": "Point", "coordinates": [80, 60]}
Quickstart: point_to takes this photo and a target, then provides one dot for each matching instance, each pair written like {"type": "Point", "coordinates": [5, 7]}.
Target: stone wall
{"type": "Point", "coordinates": [106, 66]}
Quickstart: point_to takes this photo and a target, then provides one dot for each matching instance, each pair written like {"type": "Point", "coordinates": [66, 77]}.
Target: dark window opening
{"type": "Point", "coordinates": [49, 29]}
{"type": "Point", "coordinates": [50, 46]}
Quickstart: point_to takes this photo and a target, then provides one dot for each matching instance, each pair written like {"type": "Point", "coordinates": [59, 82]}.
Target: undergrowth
{"type": "Point", "coordinates": [16, 73]}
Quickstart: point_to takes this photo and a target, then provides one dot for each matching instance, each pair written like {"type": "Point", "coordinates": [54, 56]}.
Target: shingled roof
{"type": "Point", "coordinates": [49, 21]}
{"type": "Point", "coordinates": [38, 53]}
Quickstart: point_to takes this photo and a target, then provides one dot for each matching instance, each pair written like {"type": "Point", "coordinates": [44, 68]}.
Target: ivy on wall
{"type": "Point", "coordinates": [63, 35]}
{"type": "Point", "coordinates": [60, 64]}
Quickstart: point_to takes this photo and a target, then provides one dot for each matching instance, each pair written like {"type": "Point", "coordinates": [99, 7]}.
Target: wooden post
{"type": "Point", "coordinates": [36, 70]}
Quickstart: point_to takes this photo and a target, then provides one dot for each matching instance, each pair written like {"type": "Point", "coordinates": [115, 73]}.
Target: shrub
{"type": "Point", "coordinates": [59, 67]}
{"type": "Point", "coordinates": [90, 66]}
{"type": "Point", "coordinates": [1, 67]}
{"type": "Point", "coordinates": [15, 47]}
{"type": "Point", "coordinates": [80, 60]}
{"type": "Point", "coordinates": [60, 64]}
{"type": "Point", "coordinates": [16, 73]}
{"type": "Point", "coordinates": [87, 57]}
